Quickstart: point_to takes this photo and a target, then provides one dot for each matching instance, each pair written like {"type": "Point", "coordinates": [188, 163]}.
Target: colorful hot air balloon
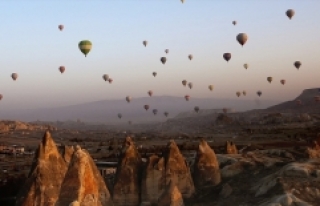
{"type": "Point", "coordinates": [234, 22]}
{"type": "Point", "coordinates": [85, 47]}
{"type": "Point", "coordinates": [184, 82]}
{"type": "Point", "coordinates": [120, 115]}
{"type": "Point", "coordinates": [227, 56]}
{"type": "Point", "coordinates": [62, 69]}
{"type": "Point", "coordinates": [163, 60]}
{"type": "Point", "coordinates": [166, 51]}
{"type": "Point", "coordinates": [211, 87]}
{"type": "Point", "coordinates": [60, 27]}
{"type": "Point", "coordinates": [196, 109]}
{"type": "Point", "coordinates": [14, 76]}
{"type": "Point", "coordinates": [190, 57]}
{"type": "Point", "coordinates": [242, 38]}
{"type": "Point", "coordinates": [269, 79]}
{"type": "Point", "coordinates": [155, 111]}
{"type": "Point", "coordinates": [166, 114]}
{"type": "Point", "coordinates": [150, 93]}
{"type": "Point", "coordinates": [297, 64]}
{"type": "Point", "coordinates": [238, 94]}
{"type": "Point", "coordinates": [187, 97]}
{"type": "Point", "coordinates": [290, 13]}
{"type": "Point", "coordinates": [246, 66]}
{"type": "Point", "coordinates": [128, 99]}
{"type": "Point", "coordinates": [259, 93]}
{"type": "Point", "coordinates": [190, 85]}
{"type": "Point", "coordinates": [110, 80]}
{"type": "Point", "coordinates": [154, 74]}
{"type": "Point", "coordinates": [105, 77]}
{"type": "Point", "coordinates": [282, 81]}
{"type": "Point", "coordinates": [145, 43]}
{"type": "Point", "coordinates": [146, 107]}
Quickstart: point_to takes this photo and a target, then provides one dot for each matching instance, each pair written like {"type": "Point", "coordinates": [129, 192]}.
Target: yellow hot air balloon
{"type": "Point", "coordinates": [85, 47]}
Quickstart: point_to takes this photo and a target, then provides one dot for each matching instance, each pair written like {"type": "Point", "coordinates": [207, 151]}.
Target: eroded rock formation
{"type": "Point", "coordinates": [206, 167]}
{"type": "Point", "coordinates": [43, 185]}
{"type": "Point", "coordinates": [126, 190]}
{"type": "Point", "coordinates": [83, 183]}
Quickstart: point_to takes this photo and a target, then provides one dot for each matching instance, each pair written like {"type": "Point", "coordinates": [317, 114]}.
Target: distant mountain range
{"type": "Point", "coordinates": [106, 111]}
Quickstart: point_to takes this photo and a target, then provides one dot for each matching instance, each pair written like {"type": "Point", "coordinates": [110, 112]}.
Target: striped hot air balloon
{"type": "Point", "coordinates": [85, 46]}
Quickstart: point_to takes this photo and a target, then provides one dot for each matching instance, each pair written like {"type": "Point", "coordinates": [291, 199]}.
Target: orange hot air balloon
{"type": "Point", "coordinates": [60, 27]}
{"type": "Point", "coordinates": [146, 107]}
{"type": "Point", "coordinates": [62, 69]}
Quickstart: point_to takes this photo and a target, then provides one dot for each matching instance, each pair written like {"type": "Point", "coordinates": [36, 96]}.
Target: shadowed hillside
{"type": "Point", "coordinates": [308, 103]}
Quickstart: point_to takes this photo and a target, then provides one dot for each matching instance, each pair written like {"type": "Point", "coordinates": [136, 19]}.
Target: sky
{"type": "Point", "coordinates": [34, 47]}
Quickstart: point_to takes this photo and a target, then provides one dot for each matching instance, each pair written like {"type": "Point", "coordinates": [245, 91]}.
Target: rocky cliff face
{"type": "Point", "coordinates": [6, 126]}
{"type": "Point", "coordinates": [206, 167]}
{"type": "Point", "coordinates": [126, 190]}
{"type": "Point", "coordinates": [43, 185]}
{"type": "Point", "coordinates": [83, 184]}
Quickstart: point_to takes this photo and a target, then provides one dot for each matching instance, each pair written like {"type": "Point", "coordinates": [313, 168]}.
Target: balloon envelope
{"type": "Point", "coordinates": [85, 46]}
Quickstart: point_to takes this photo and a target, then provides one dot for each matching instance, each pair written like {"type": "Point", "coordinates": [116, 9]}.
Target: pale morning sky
{"type": "Point", "coordinates": [33, 46]}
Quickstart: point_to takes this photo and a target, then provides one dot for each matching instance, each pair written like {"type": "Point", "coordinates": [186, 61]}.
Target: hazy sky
{"type": "Point", "coordinates": [33, 46]}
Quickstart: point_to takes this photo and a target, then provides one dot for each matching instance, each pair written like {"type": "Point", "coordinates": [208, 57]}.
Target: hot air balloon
{"type": "Point", "coordinates": [166, 114]}
{"type": "Point", "coordinates": [290, 13]}
{"type": "Point", "coordinates": [187, 97]}
{"type": "Point", "coordinates": [154, 74]}
{"type": "Point", "coordinates": [196, 109]}
{"type": "Point", "coordinates": [184, 82]}
{"type": "Point", "coordinates": [246, 66]}
{"type": "Point", "coordinates": [238, 94]}
{"type": "Point", "coordinates": [110, 80]}
{"type": "Point", "coordinates": [182, 1]}
{"type": "Point", "coordinates": [297, 64]}
{"type": "Point", "coordinates": [242, 38]}
{"type": "Point", "coordinates": [146, 107]}
{"type": "Point", "coordinates": [190, 85]}
{"type": "Point", "coordinates": [85, 46]}
{"type": "Point", "coordinates": [14, 76]}
{"type": "Point", "coordinates": [190, 57]}
{"type": "Point", "coordinates": [227, 56]}
{"type": "Point", "coordinates": [225, 110]}
{"type": "Point", "coordinates": [150, 93]}
{"type": "Point", "coordinates": [244, 93]}
{"type": "Point", "coordinates": [269, 79]}
{"type": "Point", "coordinates": [163, 60]}
{"type": "Point", "coordinates": [282, 81]}
{"type": "Point", "coordinates": [234, 22]}
{"type": "Point", "coordinates": [1, 96]}
{"type": "Point", "coordinates": [62, 69]}
{"type": "Point", "coordinates": [128, 99]}
{"type": "Point", "coordinates": [155, 111]}
{"type": "Point", "coordinates": [145, 43]}
{"type": "Point", "coordinates": [166, 51]}
{"type": "Point", "coordinates": [259, 93]}
{"type": "Point", "coordinates": [60, 27]}
{"type": "Point", "coordinates": [211, 87]}
{"type": "Point", "coordinates": [120, 116]}
{"type": "Point", "coordinates": [105, 77]}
